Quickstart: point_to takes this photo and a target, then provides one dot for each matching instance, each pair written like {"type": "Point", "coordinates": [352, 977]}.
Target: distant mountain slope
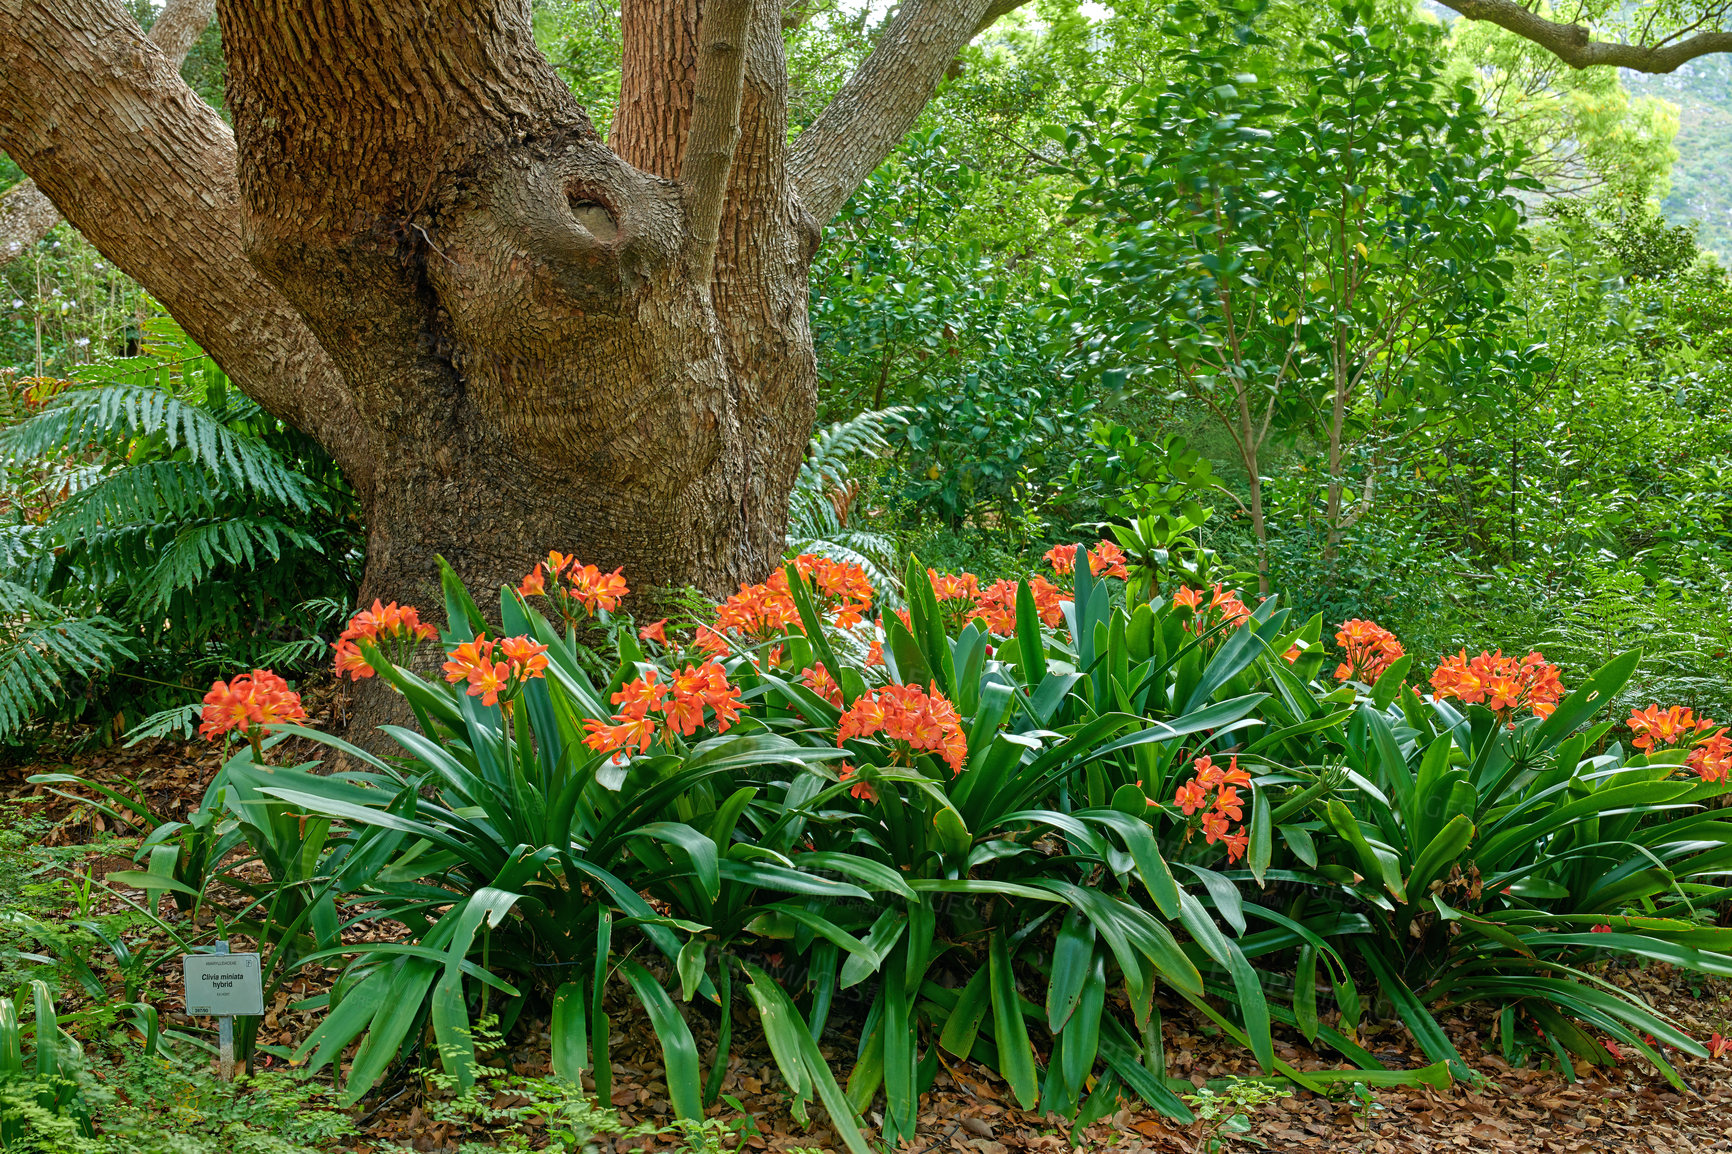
{"type": "Point", "coordinates": [1702, 177]}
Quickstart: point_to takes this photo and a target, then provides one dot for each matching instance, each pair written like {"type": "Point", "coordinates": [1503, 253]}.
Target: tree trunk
{"type": "Point", "coordinates": [414, 246]}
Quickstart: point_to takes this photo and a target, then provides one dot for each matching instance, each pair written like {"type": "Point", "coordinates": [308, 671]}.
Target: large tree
{"type": "Point", "coordinates": [510, 334]}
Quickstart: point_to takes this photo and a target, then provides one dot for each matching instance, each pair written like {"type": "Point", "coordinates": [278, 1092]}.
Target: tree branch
{"type": "Point", "coordinates": [26, 214]}
{"type": "Point", "coordinates": [1572, 44]}
{"type": "Point", "coordinates": [146, 171]}
{"type": "Point", "coordinates": [874, 110]}
{"type": "Point", "coordinates": [715, 132]}
{"type": "Point", "coordinates": [178, 27]}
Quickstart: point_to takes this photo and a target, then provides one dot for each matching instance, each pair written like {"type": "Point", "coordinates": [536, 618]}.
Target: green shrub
{"type": "Point", "coordinates": [165, 528]}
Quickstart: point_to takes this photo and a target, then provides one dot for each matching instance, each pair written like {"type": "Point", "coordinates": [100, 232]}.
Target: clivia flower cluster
{"type": "Point", "coordinates": [680, 703]}
{"type": "Point", "coordinates": [1679, 727]}
{"type": "Point", "coordinates": [1219, 811]}
{"type": "Point", "coordinates": [1368, 649]}
{"type": "Point", "coordinates": [395, 631]}
{"type": "Point", "coordinates": [995, 607]}
{"type": "Point", "coordinates": [577, 591]}
{"type": "Point", "coordinates": [1504, 684]}
{"type": "Point", "coordinates": [247, 705]}
{"type": "Point", "coordinates": [925, 722]}
{"type": "Point", "coordinates": [760, 612]}
{"type": "Point", "coordinates": [1233, 612]}
{"type": "Point", "coordinates": [491, 680]}
{"type": "Point", "coordinates": [1105, 560]}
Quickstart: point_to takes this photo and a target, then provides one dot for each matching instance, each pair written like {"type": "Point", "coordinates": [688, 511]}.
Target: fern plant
{"type": "Point", "coordinates": [822, 504]}
{"type": "Point", "coordinates": [163, 528]}
{"type": "Point", "coordinates": [1682, 633]}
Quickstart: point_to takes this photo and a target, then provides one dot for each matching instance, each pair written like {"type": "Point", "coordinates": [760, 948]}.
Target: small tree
{"type": "Point", "coordinates": [1298, 249]}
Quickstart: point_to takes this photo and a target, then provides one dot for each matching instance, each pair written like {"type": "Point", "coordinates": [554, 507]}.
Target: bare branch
{"type": "Point", "coordinates": [715, 132]}
{"type": "Point", "coordinates": [26, 214]}
{"type": "Point", "coordinates": [1572, 43]}
{"type": "Point", "coordinates": [868, 118]}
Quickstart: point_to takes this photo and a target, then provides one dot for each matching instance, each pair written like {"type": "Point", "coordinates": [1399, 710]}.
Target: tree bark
{"type": "Point", "coordinates": [26, 213]}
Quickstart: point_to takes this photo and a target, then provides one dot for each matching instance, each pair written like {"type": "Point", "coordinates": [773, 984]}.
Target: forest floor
{"type": "Point", "coordinates": [970, 1111]}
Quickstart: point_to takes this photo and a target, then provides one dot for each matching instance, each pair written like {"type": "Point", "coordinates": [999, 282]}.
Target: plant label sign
{"type": "Point", "coordinates": [223, 985]}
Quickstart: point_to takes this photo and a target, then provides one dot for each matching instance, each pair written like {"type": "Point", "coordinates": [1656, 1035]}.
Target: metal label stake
{"type": "Point", "coordinates": [226, 1034]}
{"type": "Point", "coordinates": [224, 986]}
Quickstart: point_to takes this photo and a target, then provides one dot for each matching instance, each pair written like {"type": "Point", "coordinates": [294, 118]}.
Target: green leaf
{"type": "Point", "coordinates": [679, 1051]}
{"type": "Point", "coordinates": [1015, 1052]}
{"type": "Point", "coordinates": [570, 1038]}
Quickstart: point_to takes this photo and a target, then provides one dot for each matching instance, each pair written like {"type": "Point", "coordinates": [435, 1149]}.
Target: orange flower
{"type": "Point", "coordinates": [1235, 775]}
{"type": "Point", "coordinates": [636, 698]}
{"type": "Point", "coordinates": [1368, 648]}
{"type": "Point", "coordinates": [351, 661]}
{"type": "Point", "coordinates": [695, 688]}
{"type": "Point", "coordinates": [248, 704]}
{"type": "Point", "coordinates": [875, 654]}
{"type": "Point", "coordinates": [1237, 844]}
{"type": "Point", "coordinates": [924, 722]}
{"type": "Point", "coordinates": [656, 632]}
{"type": "Point", "coordinates": [1227, 803]}
{"type": "Point", "coordinates": [995, 608]}
{"type": "Point", "coordinates": [1291, 655]}
{"type": "Point", "coordinates": [1504, 684]}
{"type": "Point", "coordinates": [1658, 728]}
{"type": "Point", "coordinates": [1105, 560]}
{"type": "Point", "coordinates": [1049, 601]}
{"type": "Point", "coordinates": [576, 589]}
{"type": "Point", "coordinates": [472, 661]}
{"type": "Point", "coordinates": [1718, 1047]}
{"type": "Point", "coordinates": [1191, 797]}
{"type": "Point", "coordinates": [526, 658]}
{"type": "Point", "coordinates": [819, 681]}
{"type": "Point", "coordinates": [1712, 757]}
{"type": "Point", "coordinates": [488, 681]}
{"type": "Point", "coordinates": [1224, 607]}
{"type": "Point", "coordinates": [619, 738]}
{"type": "Point", "coordinates": [1214, 827]}
{"type": "Point", "coordinates": [843, 589]}
{"type": "Point", "coordinates": [1233, 611]}
{"type": "Point", "coordinates": [1209, 775]}
{"type": "Point", "coordinates": [861, 789]}
{"type": "Point", "coordinates": [468, 659]}
{"type": "Point", "coordinates": [597, 590]}
{"type": "Point", "coordinates": [1108, 560]}
{"type": "Point", "coordinates": [395, 630]}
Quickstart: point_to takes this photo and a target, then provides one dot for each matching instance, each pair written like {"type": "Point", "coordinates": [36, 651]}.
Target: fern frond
{"type": "Point", "coordinates": [199, 548]}
{"type": "Point", "coordinates": [156, 492]}
{"type": "Point", "coordinates": [42, 648]}
{"type": "Point", "coordinates": [110, 415]}
{"type": "Point", "coordinates": [832, 450]}
{"type": "Point", "coordinates": [814, 526]}
{"type": "Point", "coordinates": [179, 720]}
